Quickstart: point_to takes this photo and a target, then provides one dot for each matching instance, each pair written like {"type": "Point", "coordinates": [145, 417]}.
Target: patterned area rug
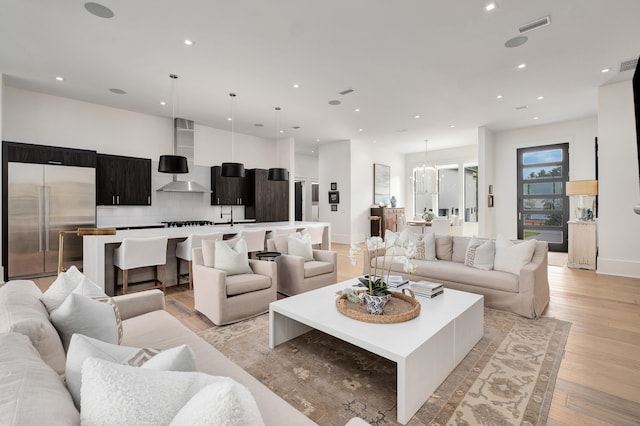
{"type": "Point", "coordinates": [508, 377]}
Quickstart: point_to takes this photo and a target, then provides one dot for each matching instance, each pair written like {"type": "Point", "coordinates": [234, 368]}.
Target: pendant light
{"type": "Point", "coordinates": [231, 169]}
{"type": "Point", "coordinates": [175, 164]}
{"type": "Point", "coordinates": [278, 173]}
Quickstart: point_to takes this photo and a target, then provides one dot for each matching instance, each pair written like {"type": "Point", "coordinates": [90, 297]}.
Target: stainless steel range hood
{"type": "Point", "coordinates": [183, 140]}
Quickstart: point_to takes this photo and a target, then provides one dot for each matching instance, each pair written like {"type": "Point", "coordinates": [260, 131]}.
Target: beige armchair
{"type": "Point", "coordinates": [296, 276]}
{"type": "Point", "coordinates": [225, 299]}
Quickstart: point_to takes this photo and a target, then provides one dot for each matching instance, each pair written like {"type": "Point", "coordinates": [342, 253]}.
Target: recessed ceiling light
{"type": "Point", "coordinates": [188, 42]}
{"type": "Point", "coordinates": [228, 118]}
{"type": "Point", "coordinates": [360, 130]}
{"type": "Point", "coordinates": [312, 151]}
{"type": "Point", "coordinates": [98, 10]}
{"type": "Point", "coordinates": [540, 98]}
{"type": "Point", "coordinates": [490, 6]}
{"type": "Point", "coordinates": [317, 140]}
{"type": "Point", "coordinates": [357, 110]}
{"type": "Point", "coordinates": [521, 66]}
{"type": "Point", "coordinates": [281, 131]}
{"type": "Point", "coordinates": [604, 70]}
{"type": "Point", "coordinates": [535, 118]}
{"type": "Point", "coordinates": [296, 86]}
{"type": "Point", "coordinates": [117, 91]}
{"type": "Point", "coordinates": [163, 103]}
{"type": "Point", "coordinates": [453, 126]}
{"type": "Point", "coordinates": [334, 102]}
{"type": "Point", "coordinates": [59, 78]}
{"type": "Point", "coordinates": [499, 97]}
{"type": "Point", "coordinates": [417, 116]}
{"type": "Point", "coordinates": [374, 141]}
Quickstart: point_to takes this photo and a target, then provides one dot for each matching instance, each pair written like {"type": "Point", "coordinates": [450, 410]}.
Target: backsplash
{"type": "Point", "coordinates": [169, 206]}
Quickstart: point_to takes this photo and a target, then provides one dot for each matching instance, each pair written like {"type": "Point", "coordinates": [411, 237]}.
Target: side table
{"type": "Point", "coordinates": [268, 255]}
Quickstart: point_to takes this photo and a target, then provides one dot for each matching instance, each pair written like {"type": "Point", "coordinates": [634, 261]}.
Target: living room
{"type": "Point", "coordinates": [34, 111]}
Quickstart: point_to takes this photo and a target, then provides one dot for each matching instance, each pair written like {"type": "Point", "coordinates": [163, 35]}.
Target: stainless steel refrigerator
{"type": "Point", "coordinates": [42, 200]}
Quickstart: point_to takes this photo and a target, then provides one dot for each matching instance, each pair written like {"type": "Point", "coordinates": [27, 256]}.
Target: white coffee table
{"type": "Point", "coordinates": [426, 349]}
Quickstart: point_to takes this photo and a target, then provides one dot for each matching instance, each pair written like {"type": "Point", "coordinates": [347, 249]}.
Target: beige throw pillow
{"type": "Point", "coordinates": [425, 247]}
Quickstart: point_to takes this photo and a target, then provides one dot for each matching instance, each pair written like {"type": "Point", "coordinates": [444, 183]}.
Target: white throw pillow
{"type": "Point", "coordinates": [88, 288]}
{"type": "Point", "coordinates": [479, 254]}
{"type": "Point", "coordinates": [300, 246]}
{"type": "Point", "coordinates": [232, 260]}
{"type": "Point", "coordinates": [512, 257]}
{"type": "Point", "coordinates": [220, 404]}
{"type": "Point", "coordinates": [124, 395]}
{"type": "Point", "coordinates": [209, 250]}
{"type": "Point", "coordinates": [425, 247]}
{"type": "Point", "coordinates": [93, 318]}
{"type": "Point", "coordinates": [62, 287]}
{"type": "Point", "coordinates": [180, 358]}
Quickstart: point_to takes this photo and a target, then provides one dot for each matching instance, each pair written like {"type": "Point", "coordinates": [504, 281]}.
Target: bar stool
{"type": "Point", "coordinates": [317, 233]}
{"type": "Point", "coordinates": [285, 231]}
{"type": "Point", "coordinates": [136, 253]}
{"type": "Point", "coordinates": [184, 252]}
{"type": "Point", "coordinates": [254, 239]}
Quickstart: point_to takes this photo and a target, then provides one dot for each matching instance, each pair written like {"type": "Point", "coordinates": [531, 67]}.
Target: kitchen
{"type": "Point", "coordinates": [125, 133]}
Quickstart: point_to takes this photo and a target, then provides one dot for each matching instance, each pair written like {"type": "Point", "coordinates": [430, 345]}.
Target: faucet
{"type": "Point", "coordinates": [230, 214]}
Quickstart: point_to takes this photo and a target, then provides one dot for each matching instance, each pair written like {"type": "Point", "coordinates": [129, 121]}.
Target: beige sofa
{"type": "Point", "coordinates": [526, 293]}
{"type": "Point", "coordinates": [31, 392]}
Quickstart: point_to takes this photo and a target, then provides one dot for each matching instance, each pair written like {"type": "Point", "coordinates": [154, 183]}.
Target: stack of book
{"type": "Point", "coordinates": [426, 288]}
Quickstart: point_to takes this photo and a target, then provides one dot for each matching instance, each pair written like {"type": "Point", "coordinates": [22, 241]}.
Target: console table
{"type": "Point", "coordinates": [392, 218]}
{"type": "Point", "coordinates": [583, 244]}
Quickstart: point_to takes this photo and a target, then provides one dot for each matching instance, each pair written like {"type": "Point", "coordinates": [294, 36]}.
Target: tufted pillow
{"type": "Point", "coordinates": [180, 358]}
{"type": "Point", "coordinates": [124, 395]}
{"type": "Point", "coordinates": [425, 248]}
{"type": "Point", "coordinates": [22, 311]}
{"type": "Point", "coordinates": [480, 254]}
{"type": "Point", "coordinates": [232, 260]}
{"type": "Point", "coordinates": [93, 318]}
{"type": "Point", "coordinates": [220, 404]}
{"type": "Point", "coordinates": [300, 246]}
{"type": "Point", "coordinates": [512, 257]}
{"type": "Point", "coordinates": [31, 393]}
{"type": "Point", "coordinates": [64, 284]}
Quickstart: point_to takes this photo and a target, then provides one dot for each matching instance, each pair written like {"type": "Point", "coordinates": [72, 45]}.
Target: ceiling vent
{"type": "Point", "coordinates": [538, 23]}
{"type": "Point", "coordinates": [346, 92]}
{"type": "Point", "coordinates": [629, 65]}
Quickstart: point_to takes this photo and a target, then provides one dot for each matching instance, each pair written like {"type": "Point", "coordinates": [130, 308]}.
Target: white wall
{"type": "Point", "coordinates": [334, 165]}
{"type": "Point", "coordinates": [618, 226]}
{"type": "Point", "coordinates": [580, 134]}
{"type": "Point", "coordinates": [49, 120]}
{"type": "Point", "coordinates": [486, 177]}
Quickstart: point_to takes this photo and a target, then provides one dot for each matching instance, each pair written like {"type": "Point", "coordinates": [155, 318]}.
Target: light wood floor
{"type": "Point", "coordinates": [599, 378]}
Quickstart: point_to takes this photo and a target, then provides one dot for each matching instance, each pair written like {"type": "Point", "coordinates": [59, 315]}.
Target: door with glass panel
{"type": "Point", "coordinates": [543, 209]}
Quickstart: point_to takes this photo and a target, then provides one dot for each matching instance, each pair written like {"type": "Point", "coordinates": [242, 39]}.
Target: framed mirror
{"type": "Point", "coordinates": [381, 184]}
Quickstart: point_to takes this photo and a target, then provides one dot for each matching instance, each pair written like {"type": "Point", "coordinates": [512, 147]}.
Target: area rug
{"type": "Point", "coordinates": [508, 377]}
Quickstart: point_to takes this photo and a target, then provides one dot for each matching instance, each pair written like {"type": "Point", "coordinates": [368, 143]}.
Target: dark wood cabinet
{"type": "Point", "coordinates": [227, 191]}
{"type": "Point", "coordinates": [392, 219]}
{"type": "Point", "coordinates": [43, 154]}
{"type": "Point", "coordinates": [267, 201]}
{"type": "Point", "coordinates": [123, 181]}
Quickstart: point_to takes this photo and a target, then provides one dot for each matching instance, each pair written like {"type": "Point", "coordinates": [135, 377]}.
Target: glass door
{"type": "Point", "coordinates": [543, 209]}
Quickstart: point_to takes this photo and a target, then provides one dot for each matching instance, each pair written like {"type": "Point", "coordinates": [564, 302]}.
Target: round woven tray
{"type": "Point", "coordinates": [401, 307]}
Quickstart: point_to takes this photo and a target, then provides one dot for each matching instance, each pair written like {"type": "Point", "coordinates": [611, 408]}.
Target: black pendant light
{"type": "Point", "coordinates": [278, 173]}
{"type": "Point", "coordinates": [175, 164]}
{"type": "Point", "coordinates": [231, 169]}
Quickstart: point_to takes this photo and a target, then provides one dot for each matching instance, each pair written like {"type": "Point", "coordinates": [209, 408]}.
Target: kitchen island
{"type": "Point", "coordinates": [98, 249]}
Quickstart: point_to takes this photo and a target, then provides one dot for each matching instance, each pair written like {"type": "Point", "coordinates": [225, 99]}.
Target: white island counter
{"type": "Point", "coordinates": [98, 249]}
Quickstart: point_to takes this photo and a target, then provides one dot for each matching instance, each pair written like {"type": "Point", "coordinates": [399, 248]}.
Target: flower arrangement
{"type": "Point", "coordinates": [375, 280]}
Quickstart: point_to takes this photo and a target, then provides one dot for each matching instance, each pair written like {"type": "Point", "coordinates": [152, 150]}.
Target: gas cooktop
{"type": "Point", "coordinates": [180, 223]}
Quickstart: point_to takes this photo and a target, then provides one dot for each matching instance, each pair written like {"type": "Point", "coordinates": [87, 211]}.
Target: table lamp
{"type": "Point", "coordinates": [584, 192]}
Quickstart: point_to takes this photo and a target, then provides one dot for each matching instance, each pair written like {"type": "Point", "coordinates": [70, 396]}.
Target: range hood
{"type": "Point", "coordinates": [183, 140]}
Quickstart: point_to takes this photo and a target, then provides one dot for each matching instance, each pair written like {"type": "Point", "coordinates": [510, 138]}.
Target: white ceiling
{"type": "Point", "coordinates": [443, 60]}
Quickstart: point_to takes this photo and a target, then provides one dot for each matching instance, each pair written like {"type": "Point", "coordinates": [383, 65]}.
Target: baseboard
{"type": "Point", "coordinates": [622, 268]}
